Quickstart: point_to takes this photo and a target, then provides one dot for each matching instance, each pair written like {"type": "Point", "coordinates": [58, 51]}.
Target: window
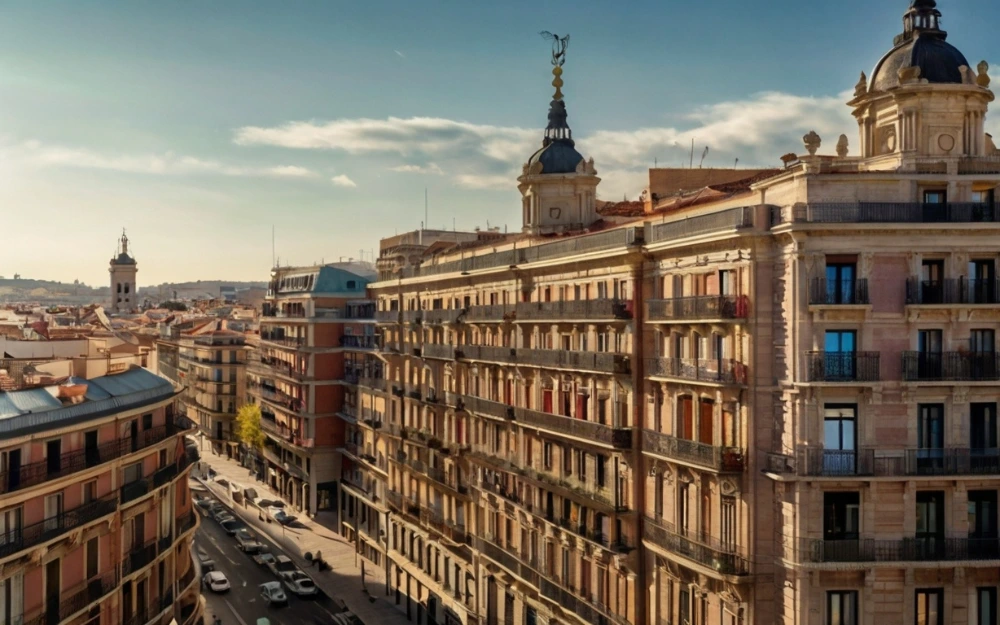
{"type": "Point", "coordinates": [92, 557]}
{"type": "Point", "coordinates": [89, 491]}
{"type": "Point", "coordinates": [352, 284]}
{"type": "Point", "coordinates": [839, 439]}
{"type": "Point", "coordinates": [840, 281]}
{"type": "Point", "coordinates": [982, 287]}
{"type": "Point", "coordinates": [601, 478]}
{"type": "Point", "coordinates": [983, 437]}
{"type": "Point", "coordinates": [932, 281]}
{"type": "Point", "coordinates": [547, 455]}
{"type": "Point", "coordinates": [930, 607]}
{"type": "Point", "coordinates": [930, 437]}
{"type": "Point", "coordinates": [147, 421]}
{"type": "Point", "coordinates": [133, 473]}
{"type": "Point", "coordinates": [728, 523]}
{"type": "Point", "coordinates": [983, 519]}
{"type": "Point", "coordinates": [842, 607]}
{"type": "Point", "coordinates": [683, 507]}
{"type": "Point", "coordinates": [841, 514]}
{"type": "Point", "coordinates": [930, 524]}
{"type": "Point", "coordinates": [986, 606]}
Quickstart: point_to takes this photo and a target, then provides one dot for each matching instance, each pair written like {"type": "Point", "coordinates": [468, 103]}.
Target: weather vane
{"type": "Point", "coordinates": [559, 45]}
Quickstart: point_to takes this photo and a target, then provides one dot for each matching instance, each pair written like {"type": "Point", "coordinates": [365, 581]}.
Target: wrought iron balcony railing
{"type": "Point", "coordinates": [493, 312]}
{"type": "Point", "coordinates": [442, 316]}
{"type": "Point", "coordinates": [439, 352]}
{"type": "Point", "coordinates": [620, 438]}
{"type": "Point", "coordinates": [719, 222]}
{"type": "Point", "coordinates": [916, 549]}
{"type": "Point", "coordinates": [952, 291]}
{"type": "Point", "coordinates": [138, 557]}
{"type": "Point", "coordinates": [864, 462]}
{"type": "Point", "coordinates": [588, 361]}
{"type": "Point", "coordinates": [488, 353]}
{"type": "Point", "coordinates": [594, 309]}
{"type": "Point", "coordinates": [951, 366]}
{"type": "Point", "coordinates": [700, 307]}
{"type": "Point", "coordinates": [713, 371]}
{"type": "Point", "coordinates": [703, 549]}
{"type": "Point", "coordinates": [57, 609]}
{"type": "Point", "coordinates": [843, 367]}
{"type": "Point", "coordinates": [13, 540]}
{"type": "Point", "coordinates": [825, 292]}
{"type": "Point", "coordinates": [897, 212]}
{"type": "Point", "coordinates": [721, 459]}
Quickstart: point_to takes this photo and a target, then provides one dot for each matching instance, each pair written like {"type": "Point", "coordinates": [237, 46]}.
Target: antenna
{"type": "Point", "coordinates": [272, 247]}
{"type": "Point", "coordinates": [703, 155]}
{"type": "Point", "coordinates": [736, 163]}
{"type": "Point", "coordinates": [426, 219]}
{"type": "Point", "coordinates": [691, 164]}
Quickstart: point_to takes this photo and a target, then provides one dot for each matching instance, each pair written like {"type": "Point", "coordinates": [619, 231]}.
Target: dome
{"type": "Point", "coordinates": [558, 157]}
{"type": "Point", "coordinates": [123, 259]}
{"type": "Point", "coordinates": [924, 45]}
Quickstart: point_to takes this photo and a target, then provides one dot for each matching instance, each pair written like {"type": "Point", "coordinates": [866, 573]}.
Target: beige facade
{"type": "Point", "coordinates": [123, 270]}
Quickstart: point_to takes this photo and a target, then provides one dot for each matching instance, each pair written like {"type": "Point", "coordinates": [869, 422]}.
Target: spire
{"type": "Point", "coordinates": [124, 242]}
{"type": "Point", "coordinates": [558, 129]}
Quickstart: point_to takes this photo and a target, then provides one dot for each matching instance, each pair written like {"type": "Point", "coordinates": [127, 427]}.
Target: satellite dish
{"type": "Point", "coordinates": [127, 337]}
{"type": "Point", "coordinates": [103, 318]}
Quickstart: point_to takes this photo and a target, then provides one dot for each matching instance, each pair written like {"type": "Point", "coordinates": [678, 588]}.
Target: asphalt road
{"type": "Point", "coordinates": [245, 577]}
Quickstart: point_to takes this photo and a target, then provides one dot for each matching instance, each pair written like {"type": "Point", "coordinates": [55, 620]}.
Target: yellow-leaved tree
{"type": "Point", "coordinates": [246, 427]}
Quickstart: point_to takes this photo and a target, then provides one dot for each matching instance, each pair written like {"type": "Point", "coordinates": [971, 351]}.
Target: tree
{"type": "Point", "coordinates": [246, 427]}
{"type": "Point", "coordinates": [175, 306]}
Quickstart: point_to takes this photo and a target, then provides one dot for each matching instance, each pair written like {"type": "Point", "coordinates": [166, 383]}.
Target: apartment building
{"type": "Point", "coordinates": [96, 520]}
{"type": "Point", "coordinates": [767, 398]}
{"type": "Point", "coordinates": [307, 333]}
{"type": "Point", "coordinates": [210, 363]}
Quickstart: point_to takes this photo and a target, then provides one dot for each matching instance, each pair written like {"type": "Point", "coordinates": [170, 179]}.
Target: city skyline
{"type": "Point", "coordinates": [184, 124]}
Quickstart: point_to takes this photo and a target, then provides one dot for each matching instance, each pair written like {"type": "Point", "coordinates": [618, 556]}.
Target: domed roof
{"type": "Point", "coordinates": [558, 154]}
{"type": "Point", "coordinates": [923, 44]}
{"type": "Point", "coordinates": [123, 259]}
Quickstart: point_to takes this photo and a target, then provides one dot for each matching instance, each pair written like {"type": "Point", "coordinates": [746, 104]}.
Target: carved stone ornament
{"type": "Point", "coordinates": [812, 142]}
{"type": "Point", "coordinates": [728, 487]}
{"type": "Point", "coordinates": [968, 76]}
{"type": "Point", "coordinates": [555, 212]}
{"type": "Point", "coordinates": [842, 146]}
{"type": "Point", "coordinates": [535, 168]}
{"type": "Point", "coordinates": [861, 88]}
{"type": "Point", "coordinates": [909, 74]}
{"type": "Point", "coordinates": [983, 79]}
{"type": "Point", "coordinates": [960, 395]}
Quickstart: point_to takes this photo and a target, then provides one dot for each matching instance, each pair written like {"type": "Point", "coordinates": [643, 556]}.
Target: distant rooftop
{"type": "Point", "coordinates": [23, 412]}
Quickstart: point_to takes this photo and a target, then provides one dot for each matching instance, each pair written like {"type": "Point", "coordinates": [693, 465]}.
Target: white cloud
{"type": "Point", "coordinates": [38, 154]}
{"type": "Point", "coordinates": [429, 168]}
{"type": "Point", "coordinates": [343, 181]}
{"type": "Point", "coordinates": [757, 130]}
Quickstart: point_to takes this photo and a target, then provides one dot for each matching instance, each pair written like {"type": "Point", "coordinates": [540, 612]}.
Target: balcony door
{"type": "Point", "coordinates": [840, 281]}
{"type": "Point", "coordinates": [930, 607]}
{"type": "Point", "coordinates": [982, 348]}
{"type": "Point", "coordinates": [53, 580]}
{"type": "Point", "coordinates": [12, 599]}
{"type": "Point", "coordinates": [932, 281]}
{"type": "Point", "coordinates": [929, 362]}
{"type": "Point", "coordinates": [935, 206]}
{"type": "Point", "coordinates": [841, 528]}
{"type": "Point", "coordinates": [840, 347]}
{"type": "Point", "coordinates": [983, 526]}
{"type": "Point", "coordinates": [983, 438]}
{"type": "Point", "coordinates": [53, 511]}
{"type": "Point", "coordinates": [930, 525]}
{"type": "Point", "coordinates": [840, 440]}
{"type": "Point", "coordinates": [982, 287]}
{"type": "Point", "coordinates": [930, 438]}
{"type": "Point", "coordinates": [842, 607]}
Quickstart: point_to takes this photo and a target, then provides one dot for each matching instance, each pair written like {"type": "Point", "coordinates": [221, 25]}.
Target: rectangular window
{"type": "Point", "coordinates": [842, 607]}
{"type": "Point", "coordinates": [982, 510]}
{"type": "Point", "coordinates": [986, 606]}
{"type": "Point", "coordinates": [840, 439]}
{"type": "Point", "coordinates": [547, 455]}
{"type": "Point", "coordinates": [728, 523]}
{"type": "Point", "coordinates": [841, 516]}
{"type": "Point", "coordinates": [932, 281]}
{"type": "Point", "coordinates": [840, 283]}
{"type": "Point", "coordinates": [601, 478]}
{"type": "Point", "coordinates": [92, 557]}
{"type": "Point", "coordinates": [683, 507]}
{"type": "Point", "coordinates": [930, 525]}
{"type": "Point", "coordinates": [982, 287]}
{"type": "Point", "coordinates": [930, 607]}
{"type": "Point", "coordinates": [133, 473]}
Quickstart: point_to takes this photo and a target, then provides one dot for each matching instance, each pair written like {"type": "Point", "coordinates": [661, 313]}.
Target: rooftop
{"type": "Point", "coordinates": [23, 412]}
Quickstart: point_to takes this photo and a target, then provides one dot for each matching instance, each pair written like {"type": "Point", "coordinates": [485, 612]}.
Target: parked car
{"type": "Point", "coordinates": [247, 542]}
{"type": "Point", "coordinates": [207, 564]}
{"type": "Point", "coordinates": [206, 503]}
{"type": "Point", "coordinates": [264, 559]}
{"type": "Point", "coordinates": [216, 581]}
{"type": "Point", "coordinates": [232, 525]}
{"type": "Point", "coordinates": [222, 514]}
{"type": "Point", "coordinates": [299, 583]}
{"type": "Point", "coordinates": [273, 594]}
{"type": "Point", "coordinates": [281, 564]}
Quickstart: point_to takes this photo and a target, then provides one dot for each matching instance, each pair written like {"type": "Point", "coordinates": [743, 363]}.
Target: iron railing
{"type": "Point", "coordinates": [898, 212]}
{"type": "Point", "coordinates": [13, 540]}
{"type": "Point", "coordinates": [715, 371]}
{"type": "Point", "coordinates": [698, 307]}
{"type": "Point", "coordinates": [139, 557]}
{"type": "Point", "coordinates": [493, 312]}
{"type": "Point", "coordinates": [952, 291]}
{"type": "Point", "coordinates": [813, 461]}
{"type": "Point", "coordinates": [722, 459]}
{"type": "Point", "coordinates": [719, 222]}
{"type": "Point", "coordinates": [951, 366]}
{"type": "Point", "coordinates": [488, 353]}
{"type": "Point", "coordinates": [843, 366]}
{"type": "Point", "coordinates": [134, 490]}
{"type": "Point", "coordinates": [915, 549]}
{"type": "Point", "coordinates": [701, 548]}
{"type": "Point", "coordinates": [387, 316]}
{"type": "Point", "coordinates": [605, 362]}
{"type": "Point", "coordinates": [823, 292]}
{"type": "Point", "coordinates": [594, 309]}
{"type": "Point", "coordinates": [439, 352]}
{"type": "Point", "coordinates": [442, 316]}
{"type": "Point", "coordinates": [620, 438]}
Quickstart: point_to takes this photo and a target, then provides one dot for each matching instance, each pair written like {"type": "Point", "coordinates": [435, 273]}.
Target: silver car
{"type": "Point", "coordinates": [273, 594]}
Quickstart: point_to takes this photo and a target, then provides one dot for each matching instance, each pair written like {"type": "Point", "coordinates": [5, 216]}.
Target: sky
{"type": "Point", "coordinates": [199, 126]}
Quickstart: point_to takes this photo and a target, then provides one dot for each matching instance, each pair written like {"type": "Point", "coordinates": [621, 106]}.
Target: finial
{"type": "Point", "coordinates": [842, 146]}
{"type": "Point", "coordinates": [861, 88]}
{"type": "Point", "coordinates": [983, 79]}
{"type": "Point", "coordinates": [559, 45]}
{"type": "Point", "coordinates": [812, 142]}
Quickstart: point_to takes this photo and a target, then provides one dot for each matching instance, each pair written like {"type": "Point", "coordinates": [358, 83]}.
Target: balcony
{"type": "Point", "coordinates": [576, 310]}
{"type": "Point", "coordinates": [721, 222]}
{"type": "Point", "coordinates": [576, 602]}
{"type": "Point", "coordinates": [620, 438]}
{"type": "Point", "coordinates": [488, 353]}
{"type": "Point", "coordinates": [387, 316]}
{"type": "Point", "coordinates": [698, 308]}
{"type": "Point", "coordinates": [361, 342]}
{"type": "Point", "coordinates": [896, 212]}
{"type": "Point", "coordinates": [526, 570]}
{"type": "Point", "coordinates": [442, 316]}
{"type": "Point", "coordinates": [439, 352]}
{"type": "Point", "coordinates": [413, 316]}
{"type": "Point", "coordinates": [282, 432]}
{"type": "Point", "coordinates": [139, 557]}
{"type": "Point", "coordinates": [56, 611]}
{"type": "Point", "coordinates": [839, 292]}
{"type": "Point", "coordinates": [491, 313]}
{"type": "Point", "coordinates": [843, 367]}
{"type": "Point", "coordinates": [164, 475]}
{"type": "Point", "coordinates": [720, 459]}
{"type": "Point", "coordinates": [186, 522]}
{"type": "Point", "coordinates": [951, 367]}
{"type": "Point", "coordinates": [276, 397]}
{"type": "Point", "coordinates": [279, 338]}
{"type": "Point", "coordinates": [952, 291]}
{"type": "Point", "coordinates": [863, 462]}
{"type": "Point", "coordinates": [275, 366]}
{"type": "Point", "coordinates": [134, 490]}
{"type": "Point", "coordinates": [707, 551]}
{"type": "Point", "coordinates": [578, 361]}
{"type": "Point", "coordinates": [14, 540]}
{"type": "Point", "coordinates": [718, 371]}
{"type": "Point", "coordinates": [375, 384]}
{"type": "Point", "coordinates": [923, 549]}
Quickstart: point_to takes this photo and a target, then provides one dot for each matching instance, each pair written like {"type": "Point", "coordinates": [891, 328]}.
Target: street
{"type": "Point", "coordinates": [245, 577]}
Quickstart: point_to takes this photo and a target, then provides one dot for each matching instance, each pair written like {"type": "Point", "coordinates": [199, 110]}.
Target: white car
{"type": "Point", "coordinates": [273, 594]}
{"type": "Point", "coordinates": [299, 583]}
{"type": "Point", "coordinates": [216, 581]}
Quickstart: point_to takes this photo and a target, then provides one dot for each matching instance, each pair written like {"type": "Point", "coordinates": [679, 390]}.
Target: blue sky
{"type": "Point", "coordinates": [198, 125]}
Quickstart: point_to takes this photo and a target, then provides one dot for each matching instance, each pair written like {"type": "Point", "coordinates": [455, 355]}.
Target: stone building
{"type": "Point", "coordinates": [123, 270]}
{"type": "Point", "coordinates": [757, 396]}
{"type": "Point", "coordinates": [96, 519]}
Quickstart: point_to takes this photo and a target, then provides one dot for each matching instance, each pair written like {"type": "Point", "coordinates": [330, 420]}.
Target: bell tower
{"type": "Point", "coordinates": [123, 270]}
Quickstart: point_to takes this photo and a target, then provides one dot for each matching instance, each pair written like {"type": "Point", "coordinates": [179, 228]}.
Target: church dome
{"type": "Point", "coordinates": [558, 153]}
{"type": "Point", "coordinates": [123, 259]}
{"type": "Point", "coordinates": [923, 45]}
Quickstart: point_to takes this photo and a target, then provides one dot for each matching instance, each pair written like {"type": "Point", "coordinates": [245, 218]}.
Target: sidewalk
{"type": "Point", "coordinates": [343, 580]}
